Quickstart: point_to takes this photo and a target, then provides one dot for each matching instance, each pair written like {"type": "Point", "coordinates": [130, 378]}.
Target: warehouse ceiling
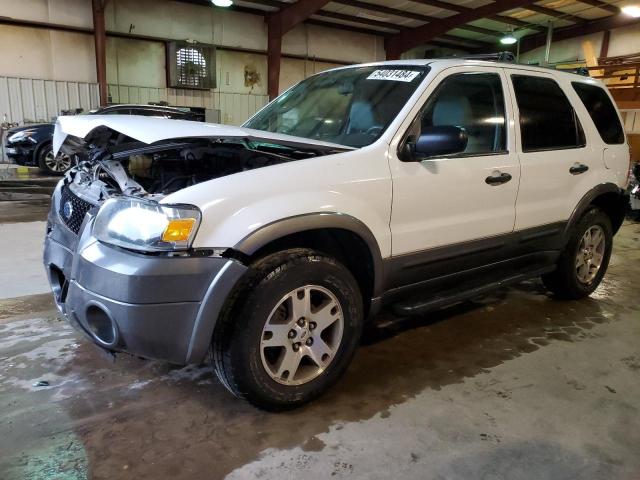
{"type": "Point", "coordinates": [474, 25]}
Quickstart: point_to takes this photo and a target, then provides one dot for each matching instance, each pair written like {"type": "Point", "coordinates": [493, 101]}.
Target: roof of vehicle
{"type": "Point", "coordinates": [147, 106]}
{"type": "Point", "coordinates": [443, 63]}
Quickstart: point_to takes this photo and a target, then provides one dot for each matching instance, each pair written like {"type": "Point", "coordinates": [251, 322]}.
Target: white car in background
{"type": "Point", "coordinates": [407, 184]}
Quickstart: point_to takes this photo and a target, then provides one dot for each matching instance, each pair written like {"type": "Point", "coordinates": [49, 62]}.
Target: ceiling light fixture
{"type": "Point", "coordinates": [631, 10]}
{"type": "Point", "coordinates": [222, 3]}
{"type": "Point", "coordinates": [508, 39]}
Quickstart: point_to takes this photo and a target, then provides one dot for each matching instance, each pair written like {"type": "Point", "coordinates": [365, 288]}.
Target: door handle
{"type": "Point", "coordinates": [578, 168]}
{"type": "Point", "coordinates": [498, 178]}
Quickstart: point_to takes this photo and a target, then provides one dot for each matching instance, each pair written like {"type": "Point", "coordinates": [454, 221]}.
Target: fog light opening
{"type": "Point", "coordinates": [100, 325]}
{"type": "Point", "coordinates": [59, 283]}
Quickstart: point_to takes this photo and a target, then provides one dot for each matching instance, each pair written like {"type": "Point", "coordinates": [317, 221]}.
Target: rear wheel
{"type": "Point", "coordinates": [585, 259]}
{"type": "Point", "coordinates": [53, 165]}
{"type": "Point", "coordinates": [290, 331]}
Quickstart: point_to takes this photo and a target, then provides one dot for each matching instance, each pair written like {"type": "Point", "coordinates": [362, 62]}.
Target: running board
{"type": "Point", "coordinates": [418, 305]}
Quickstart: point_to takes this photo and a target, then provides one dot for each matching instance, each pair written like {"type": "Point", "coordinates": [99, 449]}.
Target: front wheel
{"type": "Point", "coordinates": [289, 331]}
{"type": "Point", "coordinates": [585, 258]}
{"type": "Point", "coordinates": [53, 165]}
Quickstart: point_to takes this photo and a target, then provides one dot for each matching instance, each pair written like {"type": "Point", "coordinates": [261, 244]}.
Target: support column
{"type": "Point", "coordinates": [279, 23]}
{"type": "Point", "coordinates": [100, 40]}
{"type": "Point", "coordinates": [604, 49]}
{"type": "Point", "coordinates": [547, 47]}
{"type": "Point", "coordinates": [274, 56]}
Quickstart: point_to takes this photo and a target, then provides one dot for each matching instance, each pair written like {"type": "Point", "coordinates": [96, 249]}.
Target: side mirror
{"type": "Point", "coordinates": [437, 141]}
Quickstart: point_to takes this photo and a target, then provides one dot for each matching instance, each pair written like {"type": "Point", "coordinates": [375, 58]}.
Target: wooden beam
{"type": "Point", "coordinates": [374, 7]}
{"type": "Point", "coordinates": [296, 13]}
{"type": "Point", "coordinates": [498, 18]}
{"type": "Point", "coordinates": [601, 5]}
{"type": "Point", "coordinates": [555, 13]}
{"type": "Point", "coordinates": [516, 23]}
{"type": "Point", "coordinates": [403, 41]}
{"type": "Point", "coordinates": [100, 42]}
{"type": "Point", "coordinates": [360, 20]}
{"type": "Point", "coordinates": [444, 5]}
{"type": "Point", "coordinates": [390, 26]}
{"type": "Point", "coordinates": [274, 58]}
{"type": "Point", "coordinates": [348, 28]}
{"type": "Point", "coordinates": [472, 43]}
{"type": "Point", "coordinates": [442, 44]}
{"type": "Point", "coordinates": [594, 26]}
{"type": "Point", "coordinates": [278, 24]}
{"type": "Point", "coordinates": [480, 30]}
{"type": "Point", "coordinates": [604, 49]}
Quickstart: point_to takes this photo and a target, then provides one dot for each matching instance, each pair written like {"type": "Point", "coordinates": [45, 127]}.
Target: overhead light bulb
{"type": "Point", "coordinates": [631, 10]}
{"type": "Point", "coordinates": [222, 3]}
{"type": "Point", "coordinates": [508, 39]}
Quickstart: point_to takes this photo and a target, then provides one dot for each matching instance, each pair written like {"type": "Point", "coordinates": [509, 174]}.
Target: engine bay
{"type": "Point", "coordinates": [167, 171]}
{"type": "Point", "coordinates": [157, 170]}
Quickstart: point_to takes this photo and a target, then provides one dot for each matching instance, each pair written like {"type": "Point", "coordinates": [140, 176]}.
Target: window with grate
{"type": "Point", "coordinates": [191, 65]}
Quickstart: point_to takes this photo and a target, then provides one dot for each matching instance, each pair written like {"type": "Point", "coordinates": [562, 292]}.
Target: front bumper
{"type": "Point", "coordinates": [147, 305]}
{"type": "Point", "coordinates": [20, 153]}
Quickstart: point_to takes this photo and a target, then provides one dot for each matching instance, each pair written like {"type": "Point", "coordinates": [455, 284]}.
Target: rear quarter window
{"type": "Point", "coordinates": [547, 118]}
{"type": "Point", "coordinates": [601, 111]}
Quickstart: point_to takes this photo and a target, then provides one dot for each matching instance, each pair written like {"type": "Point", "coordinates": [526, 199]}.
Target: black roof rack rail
{"type": "Point", "coordinates": [508, 57]}
{"type": "Point", "coordinates": [583, 71]}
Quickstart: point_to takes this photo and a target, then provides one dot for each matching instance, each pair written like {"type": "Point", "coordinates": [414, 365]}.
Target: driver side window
{"type": "Point", "coordinates": [474, 102]}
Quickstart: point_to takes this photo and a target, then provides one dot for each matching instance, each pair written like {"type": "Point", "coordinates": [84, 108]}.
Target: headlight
{"type": "Point", "coordinates": [21, 136]}
{"type": "Point", "coordinates": [147, 226]}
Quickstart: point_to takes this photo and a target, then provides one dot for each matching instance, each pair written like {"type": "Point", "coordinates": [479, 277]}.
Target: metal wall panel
{"type": "Point", "coordinates": [235, 108]}
{"type": "Point", "coordinates": [28, 100]}
{"type": "Point", "coordinates": [631, 119]}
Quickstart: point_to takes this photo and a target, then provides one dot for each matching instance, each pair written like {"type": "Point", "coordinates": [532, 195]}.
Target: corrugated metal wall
{"type": "Point", "coordinates": [234, 108]}
{"type": "Point", "coordinates": [27, 100]}
{"type": "Point", "coordinates": [631, 120]}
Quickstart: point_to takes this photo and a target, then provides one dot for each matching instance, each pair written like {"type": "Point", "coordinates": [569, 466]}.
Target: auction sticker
{"type": "Point", "coordinates": [394, 75]}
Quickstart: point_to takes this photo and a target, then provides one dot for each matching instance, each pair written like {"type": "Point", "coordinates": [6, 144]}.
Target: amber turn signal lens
{"type": "Point", "coordinates": [178, 230]}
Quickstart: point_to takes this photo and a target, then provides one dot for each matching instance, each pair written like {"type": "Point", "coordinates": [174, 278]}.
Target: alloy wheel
{"type": "Point", "coordinates": [302, 335]}
{"type": "Point", "coordinates": [58, 164]}
{"type": "Point", "coordinates": [590, 254]}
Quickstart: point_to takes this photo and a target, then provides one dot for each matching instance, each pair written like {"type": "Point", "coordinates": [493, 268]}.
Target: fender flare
{"type": "Point", "coordinates": [587, 199]}
{"type": "Point", "coordinates": [316, 221]}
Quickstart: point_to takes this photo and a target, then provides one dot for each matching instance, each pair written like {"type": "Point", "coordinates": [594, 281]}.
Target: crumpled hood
{"type": "Point", "coordinates": [150, 130]}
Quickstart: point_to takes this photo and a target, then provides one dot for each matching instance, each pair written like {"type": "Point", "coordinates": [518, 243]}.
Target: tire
{"type": "Point", "coordinates": [262, 306]}
{"type": "Point", "coordinates": [568, 280]}
{"type": "Point", "coordinates": [50, 165]}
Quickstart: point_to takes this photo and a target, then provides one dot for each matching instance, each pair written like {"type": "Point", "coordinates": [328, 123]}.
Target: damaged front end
{"type": "Point", "coordinates": [119, 260]}
{"type": "Point", "coordinates": [112, 164]}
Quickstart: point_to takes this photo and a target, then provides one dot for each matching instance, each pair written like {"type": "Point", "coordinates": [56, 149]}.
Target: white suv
{"type": "Point", "coordinates": [407, 184]}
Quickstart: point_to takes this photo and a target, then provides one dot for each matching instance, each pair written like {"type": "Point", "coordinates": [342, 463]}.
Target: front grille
{"type": "Point", "coordinates": [72, 209]}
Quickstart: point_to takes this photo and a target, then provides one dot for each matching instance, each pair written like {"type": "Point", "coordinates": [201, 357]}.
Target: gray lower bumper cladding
{"type": "Point", "coordinates": [151, 306]}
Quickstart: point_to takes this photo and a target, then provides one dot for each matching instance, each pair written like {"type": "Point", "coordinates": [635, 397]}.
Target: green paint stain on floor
{"type": "Point", "coordinates": [61, 458]}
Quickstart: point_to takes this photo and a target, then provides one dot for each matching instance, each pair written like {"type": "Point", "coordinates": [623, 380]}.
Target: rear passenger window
{"type": "Point", "coordinates": [547, 119]}
{"type": "Point", "coordinates": [602, 112]}
{"type": "Point", "coordinates": [475, 102]}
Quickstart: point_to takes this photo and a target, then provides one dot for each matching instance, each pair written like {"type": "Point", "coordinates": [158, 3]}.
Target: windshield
{"type": "Point", "coordinates": [351, 106]}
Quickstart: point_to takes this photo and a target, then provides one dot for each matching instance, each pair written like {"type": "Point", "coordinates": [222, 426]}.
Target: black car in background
{"type": "Point", "coordinates": [31, 144]}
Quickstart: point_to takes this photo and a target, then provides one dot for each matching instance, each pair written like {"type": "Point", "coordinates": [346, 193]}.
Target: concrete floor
{"type": "Point", "coordinates": [514, 386]}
